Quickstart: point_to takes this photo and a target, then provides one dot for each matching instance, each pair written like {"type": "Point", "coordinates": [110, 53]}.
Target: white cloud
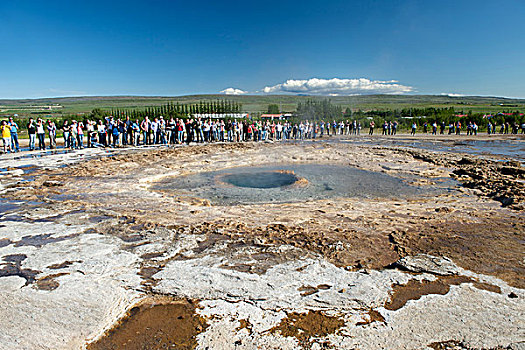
{"type": "Point", "coordinates": [233, 91]}
{"type": "Point", "coordinates": [451, 94]}
{"type": "Point", "coordinates": [337, 86]}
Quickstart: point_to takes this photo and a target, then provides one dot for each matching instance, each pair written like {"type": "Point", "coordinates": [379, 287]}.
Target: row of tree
{"type": "Point", "coordinates": [178, 110]}
{"type": "Point", "coordinates": [420, 116]}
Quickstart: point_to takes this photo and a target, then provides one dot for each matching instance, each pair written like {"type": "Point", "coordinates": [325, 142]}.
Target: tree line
{"type": "Point", "coordinates": [177, 110]}
{"type": "Point", "coordinates": [405, 117]}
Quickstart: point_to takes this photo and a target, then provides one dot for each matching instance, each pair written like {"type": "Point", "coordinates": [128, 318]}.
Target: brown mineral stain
{"type": "Point", "coordinates": [373, 316]}
{"type": "Point", "coordinates": [63, 265]}
{"type": "Point", "coordinates": [307, 290]}
{"type": "Point", "coordinates": [456, 345]}
{"type": "Point", "coordinates": [49, 282]}
{"type": "Point", "coordinates": [244, 323]}
{"type": "Point", "coordinates": [324, 286]}
{"type": "Point", "coordinates": [415, 289]}
{"type": "Point", "coordinates": [487, 286]}
{"type": "Point", "coordinates": [154, 324]}
{"type": "Point", "coordinates": [445, 345]}
{"type": "Point", "coordinates": [304, 326]}
{"type": "Point", "coordinates": [152, 255]}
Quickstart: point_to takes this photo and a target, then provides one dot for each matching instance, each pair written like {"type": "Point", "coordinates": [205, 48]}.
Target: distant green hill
{"type": "Point", "coordinates": [259, 103]}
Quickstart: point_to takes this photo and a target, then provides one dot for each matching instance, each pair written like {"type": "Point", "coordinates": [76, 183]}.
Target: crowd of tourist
{"type": "Point", "coordinates": [117, 132]}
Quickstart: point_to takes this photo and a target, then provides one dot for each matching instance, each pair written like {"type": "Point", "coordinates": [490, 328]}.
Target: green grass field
{"type": "Point", "coordinates": [258, 103]}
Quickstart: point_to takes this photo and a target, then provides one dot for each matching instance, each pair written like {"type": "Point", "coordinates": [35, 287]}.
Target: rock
{"type": "Point", "coordinates": [507, 170]}
{"type": "Point", "coordinates": [52, 183]}
{"type": "Point", "coordinates": [517, 346]}
{"type": "Point", "coordinates": [14, 172]}
{"type": "Point", "coordinates": [427, 263]}
{"type": "Point", "coordinates": [466, 161]}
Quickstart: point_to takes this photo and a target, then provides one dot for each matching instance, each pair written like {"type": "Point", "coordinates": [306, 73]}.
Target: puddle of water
{"type": "Point", "coordinates": [271, 184]}
{"type": "Point", "coordinates": [4, 242]}
{"type": "Point", "coordinates": [154, 326]}
{"type": "Point", "coordinates": [15, 258]}
{"type": "Point", "coordinates": [13, 267]}
{"type": "Point", "coordinates": [513, 149]}
{"type": "Point", "coordinates": [42, 154]}
{"type": "Point", "coordinates": [7, 206]}
{"type": "Point", "coordinates": [43, 239]}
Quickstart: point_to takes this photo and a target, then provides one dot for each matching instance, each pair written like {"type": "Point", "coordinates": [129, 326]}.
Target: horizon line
{"type": "Point", "coordinates": [254, 94]}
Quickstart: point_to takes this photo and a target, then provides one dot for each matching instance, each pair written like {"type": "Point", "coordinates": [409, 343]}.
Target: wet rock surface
{"type": "Point", "coordinates": [92, 245]}
{"type": "Point", "coordinates": [426, 263]}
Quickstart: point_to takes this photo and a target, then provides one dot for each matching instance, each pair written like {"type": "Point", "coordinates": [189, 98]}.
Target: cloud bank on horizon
{"type": "Point", "coordinates": [337, 86]}
{"type": "Point", "coordinates": [331, 87]}
{"type": "Point", "coordinates": [233, 91]}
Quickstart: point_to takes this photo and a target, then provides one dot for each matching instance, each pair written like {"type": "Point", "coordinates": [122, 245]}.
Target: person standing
{"type": "Point", "coordinates": [74, 134]}
{"type": "Point", "coordinates": [80, 135]}
{"type": "Point", "coordinates": [128, 135]}
{"type": "Point", "coordinates": [14, 135]}
{"type": "Point", "coordinates": [372, 125]}
{"type": "Point", "coordinates": [90, 131]}
{"type": "Point", "coordinates": [5, 129]}
{"type": "Point", "coordinates": [414, 127]}
{"type": "Point", "coordinates": [31, 131]}
{"type": "Point", "coordinates": [189, 131]}
{"type": "Point", "coordinates": [154, 130]}
{"type": "Point", "coordinates": [145, 128]}
{"type": "Point", "coordinates": [136, 132]}
{"type": "Point", "coordinates": [66, 133]}
{"type": "Point", "coordinates": [41, 134]}
{"type": "Point", "coordinates": [52, 132]}
{"type": "Point", "coordinates": [116, 134]}
{"type": "Point", "coordinates": [101, 129]}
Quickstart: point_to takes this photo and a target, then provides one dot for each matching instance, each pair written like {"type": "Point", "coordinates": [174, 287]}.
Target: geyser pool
{"type": "Point", "coordinates": [284, 183]}
{"type": "Point", "coordinates": [261, 179]}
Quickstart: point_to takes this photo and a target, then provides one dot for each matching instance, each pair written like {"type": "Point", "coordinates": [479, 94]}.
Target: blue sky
{"type": "Point", "coordinates": [65, 48]}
